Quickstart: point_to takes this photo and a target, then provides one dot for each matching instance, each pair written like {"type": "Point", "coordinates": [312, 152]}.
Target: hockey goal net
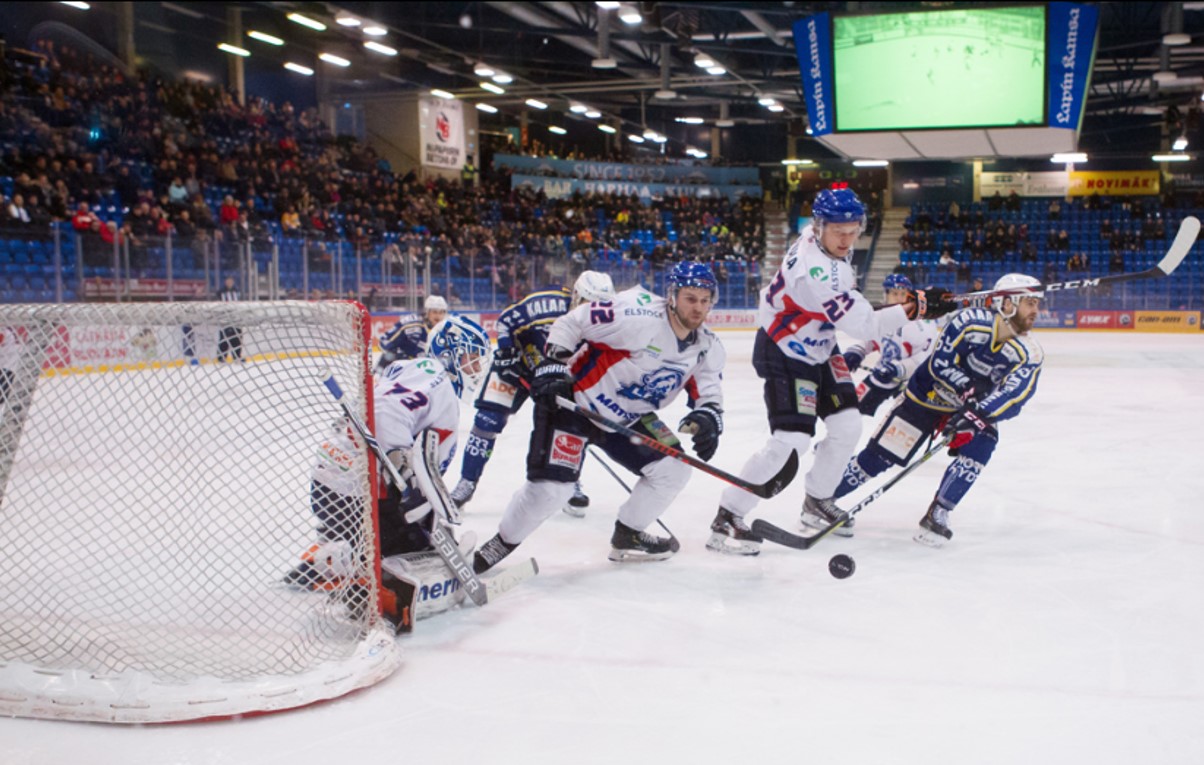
{"type": "Point", "coordinates": [154, 492]}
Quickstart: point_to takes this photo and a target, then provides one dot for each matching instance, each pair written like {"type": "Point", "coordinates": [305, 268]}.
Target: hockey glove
{"type": "Point", "coordinates": [887, 374]}
{"type": "Point", "coordinates": [705, 424]}
{"type": "Point", "coordinates": [938, 302]}
{"type": "Point", "coordinates": [966, 425]}
{"type": "Point", "coordinates": [853, 357]}
{"type": "Point", "coordinates": [552, 379]}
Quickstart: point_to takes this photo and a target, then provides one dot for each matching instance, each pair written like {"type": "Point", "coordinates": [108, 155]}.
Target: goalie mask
{"type": "Point", "coordinates": [462, 346]}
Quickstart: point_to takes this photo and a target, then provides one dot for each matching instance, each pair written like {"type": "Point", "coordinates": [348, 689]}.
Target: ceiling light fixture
{"type": "Point", "coordinates": [607, 129]}
{"type": "Point", "coordinates": [233, 50]}
{"type": "Point", "coordinates": [1068, 157]}
{"type": "Point", "coordinates": [330, 58]}
{"type": "Point", "coordinates": [299, 69]}
{"type": "Point", "coordinates": [535, 103]}
{"type": "Point", "coordinates": [593, 114]}
{"type": "Point", "coordinates": [437, 93]}
{"type": "Point", "coordinates": [80, 6]}
{"type": "Point", "coordinates": [689, 120]}
{"type": "Point", "coordinates": [556, 129]}
{"type": "Point", "coordinates": [488, 109]}
{"type": "Point", "coordinates": [716, 70]}
{"type": "Point", "coordinates": [582, 108]}
{"type": "Point", "coordinates": [630, 15]}
{"type": "Point", "coordinates": [347, 21]}
{"type": "Point", "coordinates": [703, 61]}
{"type": "Point", "coordinates": [607, 6]}
{"type": "Point", "coordinates": [776, 108]}
{"type": "Point", "coordinates": [502, 78]}
{"type": "Point", "coordinates": [1171, 157]}
{"type": "Point", "coordinates": [384, 49]}
{"type": "Point", "coordinates": [493, 88]}
{"type": "Point", "coordinates": [1180, 143]}
{"type": "Point", "coordinates": [306, 21]}
{"type": "Point", "coordinates": [870, 163]}
{"type": "Point", "coordinates": [483, 70]}
{"type": "Point", "coordinates": [265, 38]}
{"type": "Point", "coordinates": [767, 101]}
{"type": "Point", "coordinates": [635, 138]}
{"type": "Point", "coordinates": [375, 30]}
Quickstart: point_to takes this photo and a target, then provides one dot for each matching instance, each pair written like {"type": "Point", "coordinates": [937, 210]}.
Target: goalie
{"type": "Point", "coordinates": [417, 417]}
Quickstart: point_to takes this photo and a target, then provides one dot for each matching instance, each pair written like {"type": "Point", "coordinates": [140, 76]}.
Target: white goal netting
{"type": "Point", "coordinates": [155, 491]}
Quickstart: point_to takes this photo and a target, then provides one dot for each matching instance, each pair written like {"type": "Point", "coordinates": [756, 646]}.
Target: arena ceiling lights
{"type": "Point", "coordinates": [299, 69]}
{"type": "Point", "coordinates": [487, 108]}
{"type": "Point", "coordinates": [233, 50]}
{"type": "Point", "coordinates": [330, 58]}
{"type": "Point", "coordinates": [264, 37]}
{"type": "Point", "coordinates": [499, 90]}
{"type": "Point", "coordinates": [557, 130]}
{"type": "Point", "coordinates": [385, 50]}
{"type": "Point", "coordinates": [306, 21]}
{"type": "Point", "coordinates": [437, 93]}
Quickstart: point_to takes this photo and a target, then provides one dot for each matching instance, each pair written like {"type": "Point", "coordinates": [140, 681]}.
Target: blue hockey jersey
{"type": "Point", "coordinates": [406, 340]}
{"type": "Point", "coordinates": [969, 358]}
{"type": "Point", "coordinates": [522, 329]}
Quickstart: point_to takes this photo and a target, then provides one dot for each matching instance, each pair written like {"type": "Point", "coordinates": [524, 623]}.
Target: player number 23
{"type": "Point", "coordinates": [838, 306]}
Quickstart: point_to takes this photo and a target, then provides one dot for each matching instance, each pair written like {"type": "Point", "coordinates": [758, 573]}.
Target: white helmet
{"type": "Point", "coordinates": [434, 303]}
{"type": "Point", "coordinates": [593, 287]}
{"type": "Point", "coordinates": [1017, 286]}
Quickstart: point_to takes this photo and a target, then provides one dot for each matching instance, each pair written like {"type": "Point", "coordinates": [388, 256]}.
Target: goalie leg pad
{"type": "Point", "coordinates": [427, 579]}
{"type": "Point", "coordinates": [428, 480]}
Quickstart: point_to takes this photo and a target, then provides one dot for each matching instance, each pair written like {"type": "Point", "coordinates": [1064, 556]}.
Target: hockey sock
{"type": "Point", "coordinates": [477, 451]}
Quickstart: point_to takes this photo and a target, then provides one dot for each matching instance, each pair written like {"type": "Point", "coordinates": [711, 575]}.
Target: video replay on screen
{"type": "Point", "coordinates": [940, 69]}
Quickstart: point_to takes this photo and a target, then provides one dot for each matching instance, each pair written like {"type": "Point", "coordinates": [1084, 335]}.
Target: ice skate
{"type": "Point", "coordinates": [577, 503]}
{"type": "Point", "coordinates": [323, 567]}
{"type": "Point", "coordinates": [463, 492]}
{"type": "Point", "coordinates": [731, 535]}
{"type": "Point", "coordinates": [934, 526]}
{"type": "Point", "coordinates": [491, 553]}
{"type": "Point", "coordinates": [819, 514]}
{"type": "Point", "coordinates": [630, 546]}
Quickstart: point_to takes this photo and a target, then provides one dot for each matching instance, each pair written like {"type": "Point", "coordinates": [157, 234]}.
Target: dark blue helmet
{"type": "Point", "coordinates": [896, 282]}
{"type": "Point", "coordinates": [691, 274]}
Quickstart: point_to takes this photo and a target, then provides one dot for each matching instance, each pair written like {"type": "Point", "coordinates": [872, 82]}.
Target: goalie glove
{"type": "Point", "coordinates": [705, 424]}
{"type": "Point", "coordinates": [966, 425]}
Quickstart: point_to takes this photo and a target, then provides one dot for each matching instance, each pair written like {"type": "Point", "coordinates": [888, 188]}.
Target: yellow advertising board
{"type": "Point", "coordinates": [1116, 183]}
{"type": "Point", "coordinates": [1166, 321]}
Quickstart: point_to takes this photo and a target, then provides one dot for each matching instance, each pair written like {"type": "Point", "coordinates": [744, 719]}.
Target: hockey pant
{"type": "Point", "coordinates": [797, 396]}
{"type": "Point", "coordinates": [554, 460]}
{"type": "Point", "coordinates": [904, 432]}
{"type": "Point", "coordinates": [500, 396]}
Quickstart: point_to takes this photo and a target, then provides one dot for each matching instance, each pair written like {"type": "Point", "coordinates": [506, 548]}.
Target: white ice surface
{"type": "Point", "coordinates": [1063, 624]}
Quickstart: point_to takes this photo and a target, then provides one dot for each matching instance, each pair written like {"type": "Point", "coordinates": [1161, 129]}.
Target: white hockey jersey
{"type": "Point", "coordinates": [411, 395]}
{"type": "Point", "coordinates": [813, 295]}
{"type": "Point", "coordinates": [632, 363]}
{"type": "Point", "coordinates": [909, 345]}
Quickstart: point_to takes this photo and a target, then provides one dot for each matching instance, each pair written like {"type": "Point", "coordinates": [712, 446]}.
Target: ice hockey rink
{"type": "Point", "coordinates": [1063, 623]}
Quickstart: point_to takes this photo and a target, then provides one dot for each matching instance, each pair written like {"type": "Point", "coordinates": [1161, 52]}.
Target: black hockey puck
{"type": "Point", "coordinates": [841, 566]}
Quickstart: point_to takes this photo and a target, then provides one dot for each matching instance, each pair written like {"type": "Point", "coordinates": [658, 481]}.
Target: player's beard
{"type": "Point", "coordinates": [686, 323]}
{"type": "Point", "coordinates": [1021, 325]}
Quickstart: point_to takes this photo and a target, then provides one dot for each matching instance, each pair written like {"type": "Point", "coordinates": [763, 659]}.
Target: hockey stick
{"type": "Point", "coordinates": [673, 543]}
{"type": "Point", "coordinates": [1189, 229]}
{"type": "Point", "coordinates": [510, 577]}
{"type": "Point", "coordinates": [442, 541]}
{"type": "Point", "coordinates": [781, 536]}
{"type": "Point", "coordinates": [765, 490]}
